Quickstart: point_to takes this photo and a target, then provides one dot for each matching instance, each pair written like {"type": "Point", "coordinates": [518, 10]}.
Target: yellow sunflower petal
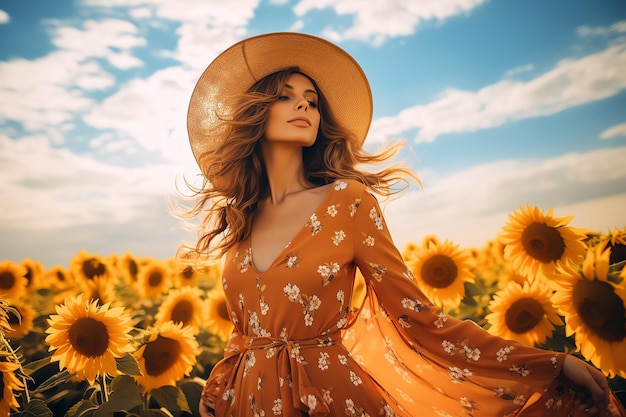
{"type": "Point", "coordinates": [13, 280]}
{"type": "Point", "coordinates": [441, 269]}
{"type": "Point", "coordinates": [184, 306]}
{"type": "Point", "coordinates": [168, 354]}
{"type": "Point", "coordinates": [85, 338]}
{"type": "Point", "coordinates": [595, 311]}
{"type": "Point", "coordinates": [536, 243]}
{"type": "Point", "coordinates": [523, 312]}
{"type": "Point", "coordinates": [218, 319]}
{"type": "Point", "coordinates": [8, 385]}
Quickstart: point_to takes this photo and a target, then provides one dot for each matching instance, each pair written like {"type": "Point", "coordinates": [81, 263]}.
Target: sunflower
{"type": "Point", "coordinates": [86, 267]}
{"type": "Point", "coordinates": [615, 241]}
{"type": "Point", "coordinates": [441, 270]}
{"type": "Point", "coordinates": [87, 337]}
{"type": "Point", "coordinates": [166, 356]}
{"type": "Point", "coordinates": [410, 252]}
{"type": "Point", "coordinates": [218, 319]}
{"type": "Point", "coordinates": [185, 274]}
{"type": "Point", "coordinates": [34, 271]}
{"type": "Point", "coordinates": [57, 277]}
{"type": "Point", "coordinates": [128, 268]}
{"type": "Point", "coordinates": [153, 279]}
{"type": "Point", "coordinates": [20, 317]}
{"type": "Point", "coordinates": [523, 312]}
{"type": "Point", "coordinates": [536, 243]}
{"type": "Point", "coordinates": [594, 310]}
{"type": "Point", "coordinates": [4, 317]}
{"type": "Point", "coordinates": [192, 269]}
{"type": "Point", "coordinates": [100, 289]}
{"type": "Point", "coordinates": [185, 306]}
{"type": "Point", "coordinates": [9, 382]}
{"type": "Point", "coordinates": [12, 280]}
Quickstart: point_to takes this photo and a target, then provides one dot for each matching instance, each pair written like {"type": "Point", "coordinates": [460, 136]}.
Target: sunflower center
{"type": "Point", "coordinates": [187, 273]}
{"type": "Point", "coordinates": [12, 318]}
{"type": "Point", "coordinates": [133, 269]}
{"type": "Point", "coordinates": [439, 271]}
{"type": "Point", "coordinates": [222, 310]}
{"type": "Point", "coordinates": [182, 312]}
{"type": "Point", "coordinates": [60, 276]}
{"type": "Point", "coordinates": [93, 268]}
{"type": "Point", "coordinates": [89, 337]}
{"type": "Point", "coordinates": [160, 355]}
{"type": "Point", "coordinates": [618, 253]}
{"type": "Point", "coordinates": [523, 315]}
{"type": "Point", "coordinates": [542, 242]}
{"type": "Point", "coordinates": [601, 309]}
{"type": "Point", "coordinates": [155, 278]}
{"type": "Point", "coordinates": [7, 280]}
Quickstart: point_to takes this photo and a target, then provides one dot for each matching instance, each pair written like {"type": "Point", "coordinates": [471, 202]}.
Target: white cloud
{"type": "Point", "coordinates": [377, 20]}
{"type": "Point", "coordinates": [614, 131]}
{"type": "Point", "coordinates": [471, 206]}
{"type": "Point", "coordinates": [111, 39]}
{"type": "Point", "coordinates": [55, 188]}
{"type": "Point", "coordinates": [571, 83]}
{"type": "Point", "coordinates": [4, 17]}
{"type": "Point", "coordinates": [519, 70]}
{"type": "Point", "coordinates": [46, 92]}
{"type": "Point", "coordinates": [207, 27]}
{"type": "Point", "coordinates": [151, 111]}
{"type": "Point", "coordinates": [615, 29]}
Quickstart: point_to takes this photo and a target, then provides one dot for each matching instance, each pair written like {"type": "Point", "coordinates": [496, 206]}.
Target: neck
{"type": "Point", "coordinates": [285, 171]}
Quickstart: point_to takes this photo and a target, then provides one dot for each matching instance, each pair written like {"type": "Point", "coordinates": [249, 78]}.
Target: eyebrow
{"type": "Point", "coordinates": [306, 91]}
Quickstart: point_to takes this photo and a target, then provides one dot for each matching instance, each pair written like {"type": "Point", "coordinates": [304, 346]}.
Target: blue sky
{"type": "Point", "coordinates": [503, 103]}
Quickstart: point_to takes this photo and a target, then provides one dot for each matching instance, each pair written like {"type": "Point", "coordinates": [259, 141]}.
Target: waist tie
{"type": "Point", "coordinates": [291, 364]}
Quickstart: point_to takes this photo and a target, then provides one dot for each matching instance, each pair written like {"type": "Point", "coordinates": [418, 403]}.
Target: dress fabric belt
{"type": "Point", "coordinates": [291, 364]}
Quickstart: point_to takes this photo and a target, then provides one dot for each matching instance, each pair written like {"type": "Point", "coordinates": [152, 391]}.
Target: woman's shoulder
{"type": "Point", "coordinates": [349, 186]}
{"type": "Point", "coordinates": [350, 189]}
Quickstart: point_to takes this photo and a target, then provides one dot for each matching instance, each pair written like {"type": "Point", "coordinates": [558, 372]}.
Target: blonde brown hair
{"type": "Point", "coordinates": [235, 179]}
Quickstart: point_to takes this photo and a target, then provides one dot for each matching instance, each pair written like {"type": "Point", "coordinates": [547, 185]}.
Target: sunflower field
{"type": "Point", "coordinates": [124, 335]}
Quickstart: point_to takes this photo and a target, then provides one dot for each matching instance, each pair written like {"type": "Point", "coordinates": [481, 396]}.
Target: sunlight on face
{"type": "Point", "coordinates": [294, 117]}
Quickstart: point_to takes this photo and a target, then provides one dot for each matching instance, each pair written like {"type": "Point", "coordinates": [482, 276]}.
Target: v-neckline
{"type": "Point", "coordinates": [295, 236]}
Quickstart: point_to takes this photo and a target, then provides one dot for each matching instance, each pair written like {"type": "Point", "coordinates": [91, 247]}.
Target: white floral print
{"type": "Point", "coordinates": [503, 353]}
{"type": "Point", "coordinates": [378, 220]}
{"type": "Point", "coordinates": [300, 304]}
{"type": "Point", "coordinates": [339, 236]}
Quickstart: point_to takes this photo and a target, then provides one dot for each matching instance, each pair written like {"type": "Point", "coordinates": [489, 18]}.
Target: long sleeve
{"type": "Point", "coordinates": [421, 344]}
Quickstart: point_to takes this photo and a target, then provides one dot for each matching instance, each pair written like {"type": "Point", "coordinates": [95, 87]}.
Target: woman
{"type": "Point", "coordinates": [276, 124]}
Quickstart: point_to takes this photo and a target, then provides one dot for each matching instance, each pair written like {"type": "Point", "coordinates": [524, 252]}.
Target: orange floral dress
{"type": "Point", "coordinates": [300, 349]}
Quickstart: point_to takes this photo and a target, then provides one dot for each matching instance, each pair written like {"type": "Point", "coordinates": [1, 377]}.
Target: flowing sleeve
{"type": "Point", "coordinates": [442, 351]}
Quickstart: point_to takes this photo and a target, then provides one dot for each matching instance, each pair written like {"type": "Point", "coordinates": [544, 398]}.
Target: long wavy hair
{"type": "Point", "coordinates": [235, 179]}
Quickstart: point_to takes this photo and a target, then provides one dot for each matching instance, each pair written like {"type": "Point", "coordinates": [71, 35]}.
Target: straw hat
{"type": "Point", "coordinates": [336, 73]}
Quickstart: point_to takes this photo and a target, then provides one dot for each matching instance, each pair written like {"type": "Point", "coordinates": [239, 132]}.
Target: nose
{"type": "Point", "coordinates": [302, 104]}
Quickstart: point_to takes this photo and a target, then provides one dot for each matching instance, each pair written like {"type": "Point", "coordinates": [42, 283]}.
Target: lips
{"type": "Point", "coordinates": [300, 121]}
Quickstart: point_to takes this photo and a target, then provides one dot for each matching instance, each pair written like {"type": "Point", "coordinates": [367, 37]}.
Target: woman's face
{"type": "Point", "coordinates": [294, 117]}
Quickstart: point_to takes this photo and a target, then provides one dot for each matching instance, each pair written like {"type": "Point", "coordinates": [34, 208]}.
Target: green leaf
{"type": "Point", "coordinates": [36, 408]}
{"type": "Point", "coordinates": [171, 398]}
{"type": "Point", "coordinates": [54, 380]}
{"type": "Point", "coordinates": [472, 289]}
{"type": "Point", "coordinates": [124, 396]}
{"type": "Point", "coordinates": [193, 392]}
{"type": "Point", "coordinates": [34, 366]}
{"type": "Point", "coordinates": [128, 365]}
{"type": "Point", "coordinates": [81, 409]}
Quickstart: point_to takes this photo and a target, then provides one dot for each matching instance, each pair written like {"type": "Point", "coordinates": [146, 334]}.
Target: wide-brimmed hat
{"type": "Point", "coordinates": [234, 71]}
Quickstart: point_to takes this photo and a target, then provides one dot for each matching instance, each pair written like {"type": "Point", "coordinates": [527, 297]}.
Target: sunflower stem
{"type": "Point", "coordinates": [17, 360]}
{"type": "Point", "coordinates": [105, 391]}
